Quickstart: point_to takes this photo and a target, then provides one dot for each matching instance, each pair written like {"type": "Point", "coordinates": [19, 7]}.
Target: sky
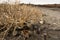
{"type": "Point", "coordinates": [41, 1]}
{"type": "Point", "coordinates": [34, 1]}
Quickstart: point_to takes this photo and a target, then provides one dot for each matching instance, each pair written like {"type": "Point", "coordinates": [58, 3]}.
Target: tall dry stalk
{"type": "Point", "coordinates": [17, 2]}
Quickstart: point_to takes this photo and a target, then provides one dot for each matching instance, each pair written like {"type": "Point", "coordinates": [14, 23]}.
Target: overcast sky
{"type": "Point", "coordinates": [35, 1]}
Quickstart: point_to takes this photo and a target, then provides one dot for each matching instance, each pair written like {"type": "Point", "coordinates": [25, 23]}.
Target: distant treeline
{"type": "Point", "coordinates": [51, 5]}
{"type": "Point", "coordinates": [47, 5]}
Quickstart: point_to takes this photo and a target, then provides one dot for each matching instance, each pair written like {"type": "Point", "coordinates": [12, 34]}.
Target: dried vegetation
{"type": "Point", "coordinates": [19, 17]}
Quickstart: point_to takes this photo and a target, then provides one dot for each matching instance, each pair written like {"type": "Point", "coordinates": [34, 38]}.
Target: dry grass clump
{"type": "Point", "coordinates": [18, 15]}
